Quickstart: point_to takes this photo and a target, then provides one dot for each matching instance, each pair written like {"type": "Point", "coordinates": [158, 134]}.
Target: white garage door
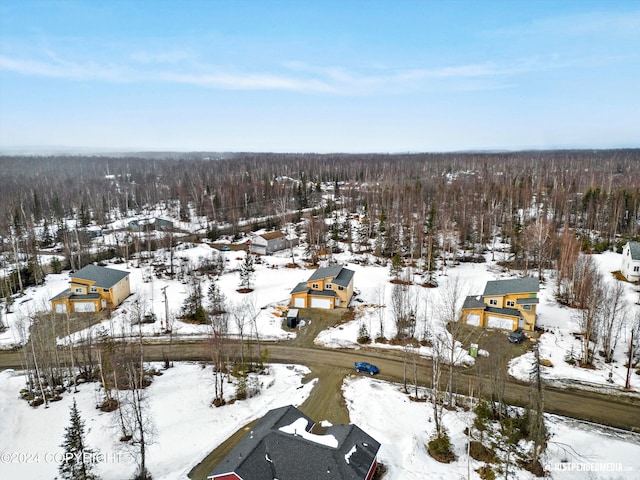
{"type": "Point", "coordinates": [320, 303]}
{"type": "Point", "coordinates": [84, 306]}
{"type": "Point", "coordinates": [473, 319]}
{"type": "Point", "coordinates": [61, 308]}
{"type": "Point", "coordinates": [298, 302]}
{"type": "Point", "coordinates": [499, 322]}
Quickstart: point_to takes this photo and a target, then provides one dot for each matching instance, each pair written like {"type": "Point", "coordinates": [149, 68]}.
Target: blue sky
{"type": "Point", "coordinates": [319, 76]}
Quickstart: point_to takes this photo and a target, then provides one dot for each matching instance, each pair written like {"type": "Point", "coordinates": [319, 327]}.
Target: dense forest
{"type": "Point", "coordinates": [407, 204]}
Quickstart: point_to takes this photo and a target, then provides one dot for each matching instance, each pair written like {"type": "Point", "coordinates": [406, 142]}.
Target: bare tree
{"type": "Point", "coordinates": [449, 311]}
{"type": "Point", "coordinates": [218, 345]}
{"type": "Point", "coordinates": [589, 297]}
{"type": "Point", "coordinates": [380, 298]}
{"type": "Point", "coordinates": [613, 319]}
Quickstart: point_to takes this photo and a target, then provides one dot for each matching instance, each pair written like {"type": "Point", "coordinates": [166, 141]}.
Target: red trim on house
{"type": "Point", "coordinates": [226, 476]}
{"type": "Point", "coordinates": [372, 469]}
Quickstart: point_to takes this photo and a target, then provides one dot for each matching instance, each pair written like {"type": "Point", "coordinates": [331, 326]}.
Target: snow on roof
{"type": "Point", "coordinates": [347, 456]}
{"type": "Point", "coordinates": [299, 428]}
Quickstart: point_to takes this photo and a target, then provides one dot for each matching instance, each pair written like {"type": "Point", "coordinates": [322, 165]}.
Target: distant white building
{"type": "Point", "coordinates": [631, 261]}
{"type": "Point", "coordinates": [270, 242]}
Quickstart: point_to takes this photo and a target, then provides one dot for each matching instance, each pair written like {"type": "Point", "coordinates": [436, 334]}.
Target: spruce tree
{"type": "Point", "coordinates": [78, 459]}
{"type": "Point", "coordinates": [247, 272]}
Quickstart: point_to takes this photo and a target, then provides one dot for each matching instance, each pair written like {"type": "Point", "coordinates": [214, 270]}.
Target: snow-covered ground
{"type": "Point", "coordinates": [184, 424]}
{"type": "Point", "coordinates": [373, 303]}
{"type": "Point", "coordinates": [405, 427]}
{"type": "Point", "coordinates": [186, 428]}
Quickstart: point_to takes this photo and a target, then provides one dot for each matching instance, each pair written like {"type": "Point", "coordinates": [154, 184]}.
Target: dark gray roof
{"type": "Point", "coordinates": [64, 294]}
{"type": "Point", "coordinates": [339, 275]}
{"type": "Point", "coordinates": [473, 301]}
{"type": "Point", "coordinates": [634, 249]}
{"type": "Point", "coordinates": [301, 287]}
{"type": "Point", "coordinates": [88, 296]}
{"type": "Point", "coordinates": [322, 293]}
{"type": "Point", "coordinates": [515, 285]}
{"type": "Point", "coordinates": [512, 312]}
{"type": "Point", "coordinates": [102, 276]}
{"type": "Point", "coordinates": [527, 301]}
{"type": "Point", "coordinates": [73, 296]}
{"type": "Point", "coordinates": [266, 452]}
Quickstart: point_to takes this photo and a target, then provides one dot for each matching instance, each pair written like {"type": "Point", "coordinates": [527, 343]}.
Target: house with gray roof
{"type": "Point", "coordinates": [281, 445]}
{"type": "Point", "coordinates": [328, 287]}
{"type": "Point", "coordinates": [506, 304]}
{"type": "Point", "coordinates": [92, 289]}
{"type": "Point", "coordinates": [631, 261]}
{"type": "Point", "coordinates": [271, 242]}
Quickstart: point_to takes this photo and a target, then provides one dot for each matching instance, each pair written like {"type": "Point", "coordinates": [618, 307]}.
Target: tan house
{"type": "Point", "coordinates": [92, 289]}
{"type": "Point", "coordinates": [328, 287]}
{"type": "Point", "coordinates": [506, 304]}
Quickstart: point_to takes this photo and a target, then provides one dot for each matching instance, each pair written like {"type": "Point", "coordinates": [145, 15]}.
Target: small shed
{"type": "Point", "coordinates": [292, 318]}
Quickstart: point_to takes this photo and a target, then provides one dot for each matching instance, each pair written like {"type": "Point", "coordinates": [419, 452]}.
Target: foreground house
{"type": "Point", "coordinates": [281, 446]}
{"type": "Point", "coordinates": [93, 289]}
{"type": "Point", "coordinates": [268, 243]}
{"type": "Point", "coordinates": [631, 261]}
{"type": "Point", "coordinates": [328, 287]}
{"type": "Point", "coordinates": [506, 304]}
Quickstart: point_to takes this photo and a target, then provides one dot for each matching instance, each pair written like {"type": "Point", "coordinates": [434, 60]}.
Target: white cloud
{"type": "Point", "coordinates": [290, 76]}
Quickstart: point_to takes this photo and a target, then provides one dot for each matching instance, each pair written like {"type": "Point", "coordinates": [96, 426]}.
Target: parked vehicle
{"type": "Point", "coordinates": [225, 248]}
{"type": "Point", "coordinates": [517, 336]}
{"type": "Point", "coordinates": [366, 367]}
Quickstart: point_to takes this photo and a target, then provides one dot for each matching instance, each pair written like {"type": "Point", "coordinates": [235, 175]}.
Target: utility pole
{"type": "Point", "coordinates": [166, 309]}
{"type": "Point", "coordinates": [627, 384]}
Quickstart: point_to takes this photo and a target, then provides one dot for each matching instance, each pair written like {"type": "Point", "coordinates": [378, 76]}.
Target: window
{"type": "Point", "coordinates": [511, 303]}
{"type": "Point", "coordinates": [94, 289]}
{"type": "Point", "coordinates": [328, 286]}
{"type": "Point", "coordinates": [315, 286]}
{"type": "Point", "coordinates": [526, 307]}
{"type": "Point", "coordinates": [340, 288]}
{"type": "Point", "coordinates": [636, 269]}
{"type": "Point", "coordinates": [78, 290]}
{"type": "Point", "coordinates": [493, 301]}
{"type": "Point", "coordinates": [105, 290]}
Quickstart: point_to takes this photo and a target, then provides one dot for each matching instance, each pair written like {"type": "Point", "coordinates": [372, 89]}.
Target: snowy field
{"type": "Point", "coordinates": [185, 425]}
{"type": "Point", "coordinates": [186, 428]}
{"type": "Point", "coordinates": [372, 306]}
{"type": "Point", "coordinates": [573, 447]}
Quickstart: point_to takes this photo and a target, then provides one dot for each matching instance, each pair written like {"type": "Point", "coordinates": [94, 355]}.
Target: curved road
{"type": "Point", "coordinates": [621, 411]}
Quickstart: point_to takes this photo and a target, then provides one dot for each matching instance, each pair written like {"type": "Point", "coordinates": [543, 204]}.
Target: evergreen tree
{"type": "Point", "coordinates": [246, 272]}
{"type": "Point", "coordinates": [397, 266]}
{"type": "Point", "coordinates": [192, 309]}
{"type": "Point", "coordinates": [78, 459]}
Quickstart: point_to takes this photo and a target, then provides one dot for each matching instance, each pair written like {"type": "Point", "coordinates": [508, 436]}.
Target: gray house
{"type": "Point", "coordinates": [282, 446]}
{"type": "Point", "coordinates": [150, 224]}
{"type": "Point", "coordinates": [271, 242]}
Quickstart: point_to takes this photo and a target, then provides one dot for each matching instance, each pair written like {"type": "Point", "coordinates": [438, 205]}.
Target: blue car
{"type": "Point", "coordinates": [366, 367]}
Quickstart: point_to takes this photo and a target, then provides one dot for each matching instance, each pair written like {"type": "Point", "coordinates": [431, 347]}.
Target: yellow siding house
{"type": "Point", "coordinates": [328, 287]}
{"type": "Point", "coordinates": [506, 304]}
{"type": "Point", "coordinates": [92, 289]}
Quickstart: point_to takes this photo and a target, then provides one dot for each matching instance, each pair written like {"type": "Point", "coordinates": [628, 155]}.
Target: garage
{"type": "Point", "coordinates": [299, 302]}
{"type": "Point", "coordinates": [84, 307]}
{"type": "Point", "coordinates": [61, 308]}
{"type": "Point", "coordinates": [320, 302]}
{"type": "Point", "coordinates": [473, 319]}
{"type": "Point", "coordinates": [499, 322]}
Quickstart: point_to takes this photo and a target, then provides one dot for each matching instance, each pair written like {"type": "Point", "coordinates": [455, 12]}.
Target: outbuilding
{"type": "Point", "coordinates": [292, 318]}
